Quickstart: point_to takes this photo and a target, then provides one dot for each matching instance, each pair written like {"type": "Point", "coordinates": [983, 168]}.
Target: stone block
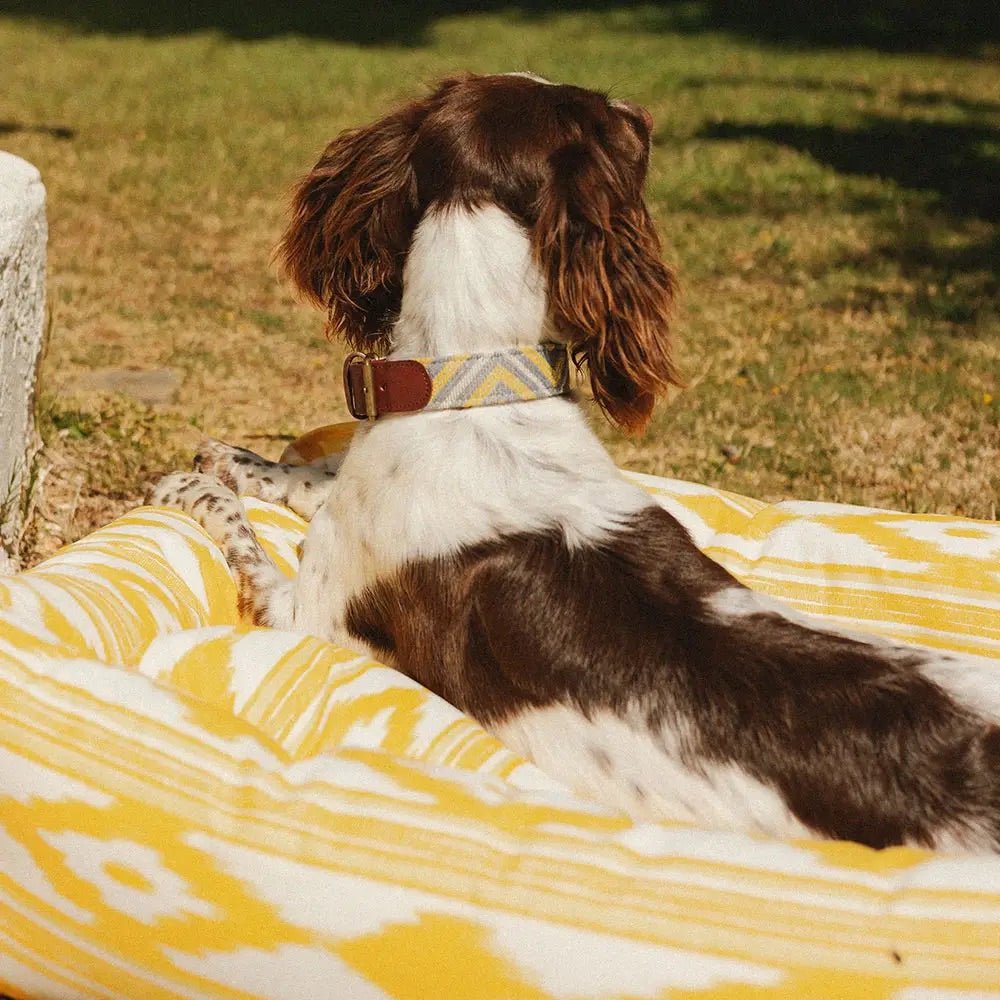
{"type": "Point", "coordinates": [23, 237]}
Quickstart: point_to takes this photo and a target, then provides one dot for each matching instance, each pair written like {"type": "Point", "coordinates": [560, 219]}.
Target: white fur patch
{"type": "Point", "coordinates": [739, 602]}
{"type": "Point", "coordinates": [530, 76]}
{"type": "Point", "coordinates": [973, 681]}
{"type": "Point", "coordinates": [421, 486]}
{"type": "Point", "coordinates": [963, 840]}
{"type": "Point", "coordinates": [470, 284]}
{"type": "Point", "coordinates": [621, 763]}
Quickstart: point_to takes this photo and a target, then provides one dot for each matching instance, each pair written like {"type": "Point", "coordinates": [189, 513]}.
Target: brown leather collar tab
{"type": "Point", "coordinates": [374, 386]}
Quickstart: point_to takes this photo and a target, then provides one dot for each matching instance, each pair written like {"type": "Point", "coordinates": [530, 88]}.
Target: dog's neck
{"type": "Point", "coordinates": [470, 285]}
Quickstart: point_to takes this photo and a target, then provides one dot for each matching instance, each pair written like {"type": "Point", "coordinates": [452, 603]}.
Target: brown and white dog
{"type": "Point", "coordinates": [496, 555]}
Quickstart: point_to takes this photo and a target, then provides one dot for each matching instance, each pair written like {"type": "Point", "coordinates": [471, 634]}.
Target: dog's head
{"type": "Point", "coordinates": [567, 163]}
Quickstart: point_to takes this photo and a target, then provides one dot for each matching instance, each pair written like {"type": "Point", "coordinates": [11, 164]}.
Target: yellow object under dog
{"type": "Point", "coordinates": [191, 807]}
{"type": "Point", "coordinates": [319, 443]}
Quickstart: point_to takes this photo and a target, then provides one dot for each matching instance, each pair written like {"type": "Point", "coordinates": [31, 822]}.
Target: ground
{"type": "Point", "coordinates": [829, 201]}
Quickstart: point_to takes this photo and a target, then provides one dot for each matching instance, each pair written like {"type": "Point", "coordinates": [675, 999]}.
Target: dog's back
{"type": "Point", "coordinates": [636, 669]}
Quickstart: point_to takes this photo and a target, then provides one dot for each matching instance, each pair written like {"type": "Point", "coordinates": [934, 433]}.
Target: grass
{"type": "Point", "coordinates": [831, 210]}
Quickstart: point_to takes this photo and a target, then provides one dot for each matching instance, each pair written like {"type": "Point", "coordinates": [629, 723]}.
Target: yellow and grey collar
{"type": "Point", "coordinates": [376, 386]}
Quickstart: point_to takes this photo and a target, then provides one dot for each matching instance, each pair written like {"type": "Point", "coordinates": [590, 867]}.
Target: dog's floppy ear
{"type": "Point", "coordinates": [353, 218]}
{"type": "Point", "coordinates": [609, 291]}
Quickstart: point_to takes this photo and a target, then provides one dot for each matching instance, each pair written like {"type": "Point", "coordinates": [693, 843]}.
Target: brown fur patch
{"type": "Point", "coordinates": [857, 742]}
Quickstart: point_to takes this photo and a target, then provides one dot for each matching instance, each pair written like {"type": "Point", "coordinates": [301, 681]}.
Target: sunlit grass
{"type": "Point", "coordinates": [831, 214]}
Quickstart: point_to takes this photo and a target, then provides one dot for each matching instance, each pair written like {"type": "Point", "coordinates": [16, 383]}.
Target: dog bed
{"type": "Point", "coordinates": [190, 807]}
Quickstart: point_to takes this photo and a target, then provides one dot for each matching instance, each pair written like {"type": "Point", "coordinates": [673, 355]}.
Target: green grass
{"type": "Point", "coordinates": [831, 211]}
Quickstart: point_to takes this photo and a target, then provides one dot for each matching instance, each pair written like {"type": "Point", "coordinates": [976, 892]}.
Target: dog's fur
{"type": "Point", "coordinates": [497, 556]}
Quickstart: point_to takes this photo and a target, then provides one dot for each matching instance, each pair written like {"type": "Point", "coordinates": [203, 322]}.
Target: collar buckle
{"type": "Point", "coordinates": [367, 407]}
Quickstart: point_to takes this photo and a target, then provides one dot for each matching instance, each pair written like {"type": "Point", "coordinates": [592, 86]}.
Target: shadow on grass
{"type": "Point", "coordinates": [934, 99]}
{"type": "Point", "coordinates": [953, 283]}
{"type": "Point", "coordinates": [957, 162]}
{"type": "Point", "coordinates": [365, 23]}
{"type": "Point", "coordinates": [964, 279]}
{"type": "Point", "coordinates": [954, 286]}
{"type": "Point", "coordinates": [53, 131]}
{"type": "Point", "coordinates": [957, 26]}
{"type": "Point", "coordinates": [808, 84]}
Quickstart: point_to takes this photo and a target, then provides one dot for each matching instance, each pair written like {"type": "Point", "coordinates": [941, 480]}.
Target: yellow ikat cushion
{"type": "Point", "coordinates": [193, 808]}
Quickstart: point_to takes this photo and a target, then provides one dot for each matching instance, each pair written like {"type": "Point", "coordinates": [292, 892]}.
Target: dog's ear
{"type": "Point", "coordinates": [609, 291]}
{"type": "Point", "coordinates": [353, 219]}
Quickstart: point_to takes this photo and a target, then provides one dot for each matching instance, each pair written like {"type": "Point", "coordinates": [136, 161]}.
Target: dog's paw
{"type": "Point", "coordinates": [168, 490]}
{"type": "Point", "coordinates": [241, 470]}
{"type": "Point", "coordinates": [205, 498]}
{"type": "Point", "coordinates": [218, 459]}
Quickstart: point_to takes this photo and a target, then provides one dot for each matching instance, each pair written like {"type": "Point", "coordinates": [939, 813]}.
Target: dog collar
{"type": "Point", "coordinates": [376, 386]}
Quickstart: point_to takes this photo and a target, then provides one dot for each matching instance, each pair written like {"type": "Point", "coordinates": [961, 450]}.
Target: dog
{"type": "Point", "coordinates": [495, 554]}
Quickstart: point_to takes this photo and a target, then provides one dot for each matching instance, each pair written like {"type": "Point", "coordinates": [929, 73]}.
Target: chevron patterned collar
{"type": "Point", "coordinates": [377, 386]}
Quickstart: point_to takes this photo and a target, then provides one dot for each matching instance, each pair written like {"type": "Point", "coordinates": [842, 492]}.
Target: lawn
{"type": "Point", "coordinates": [830, 205]}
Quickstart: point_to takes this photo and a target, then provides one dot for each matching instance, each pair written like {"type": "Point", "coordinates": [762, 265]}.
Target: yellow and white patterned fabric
{"type": "Point", "coordinates": [190, 807]}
